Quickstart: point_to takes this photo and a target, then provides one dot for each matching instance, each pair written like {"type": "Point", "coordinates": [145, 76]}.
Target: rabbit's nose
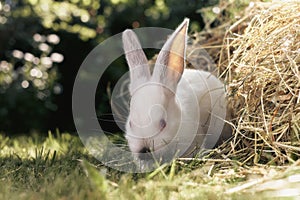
{"type": "Point", "coordinates": [145, 153]}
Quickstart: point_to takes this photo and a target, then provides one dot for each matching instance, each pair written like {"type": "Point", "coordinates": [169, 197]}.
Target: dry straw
{"type": "Point", "coordinates": [259, 60]}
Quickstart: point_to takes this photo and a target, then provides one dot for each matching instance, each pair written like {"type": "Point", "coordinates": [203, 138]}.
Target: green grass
{"type": "Point", "coordinates": [59, 167]}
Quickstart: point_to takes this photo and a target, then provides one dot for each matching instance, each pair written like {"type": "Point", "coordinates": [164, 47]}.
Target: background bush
{"type": "Point", "coordinates": [43, 43]}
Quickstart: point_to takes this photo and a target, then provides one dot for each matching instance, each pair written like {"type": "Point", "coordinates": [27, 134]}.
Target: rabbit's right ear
{"type": "Point", "coordinates": [170, 61]}
{"type": "Point", "coordinates": [136, 59]}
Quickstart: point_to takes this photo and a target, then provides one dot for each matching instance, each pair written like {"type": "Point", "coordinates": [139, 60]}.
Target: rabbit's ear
{"type": "Point", "coordinates": [136, 59]}
{"type": "Point", "coordinates": [171, 59]}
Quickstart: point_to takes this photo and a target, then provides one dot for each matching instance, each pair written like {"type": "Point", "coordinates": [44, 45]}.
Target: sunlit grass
{"type": "Point", "coordinates": [59, 167]}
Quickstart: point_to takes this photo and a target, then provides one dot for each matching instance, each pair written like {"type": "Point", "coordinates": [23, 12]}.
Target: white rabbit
{"type": "Point", "coordinates": [175, 111]}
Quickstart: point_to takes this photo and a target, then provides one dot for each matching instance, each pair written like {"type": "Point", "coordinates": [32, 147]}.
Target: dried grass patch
{"type": "Point", "coordinates": [259, 60]}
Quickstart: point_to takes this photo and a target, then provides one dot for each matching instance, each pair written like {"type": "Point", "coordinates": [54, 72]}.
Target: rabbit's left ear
{"type": "Point", "coordinates": [170, 62]}
{"type": "Point", "coordinates": [136, 59]}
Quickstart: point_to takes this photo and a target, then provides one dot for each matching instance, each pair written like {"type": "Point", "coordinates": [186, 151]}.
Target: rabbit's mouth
{"type": "Point", "coordinates": [145, 154]}
{"type": "Point", "coordinates": [151, 160]}
{"type": "Point", "coordinates": [159, 153]}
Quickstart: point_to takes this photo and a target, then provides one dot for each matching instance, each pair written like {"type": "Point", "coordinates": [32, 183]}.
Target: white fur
{"type": "Point", "coordinates": [192, 104]}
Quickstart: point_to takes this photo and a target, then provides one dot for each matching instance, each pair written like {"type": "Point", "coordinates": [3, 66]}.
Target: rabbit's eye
{"type": "Point", "coordinates": [162, 124]}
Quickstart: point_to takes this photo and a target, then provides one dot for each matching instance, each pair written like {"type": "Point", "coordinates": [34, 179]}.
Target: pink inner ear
{"type": "Point", "coordinates": [170, 61]}
{"type": "Point", "coordinates": [176, 62]}
{"type": "Point", "coordinates": [177, 51]}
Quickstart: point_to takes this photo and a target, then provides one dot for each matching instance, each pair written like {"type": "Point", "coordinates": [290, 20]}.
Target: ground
{"type": "Point", "coordinates": [59, 167]}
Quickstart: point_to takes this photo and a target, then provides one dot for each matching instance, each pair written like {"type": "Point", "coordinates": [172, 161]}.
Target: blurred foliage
{"type": "Point", "coordinates": [43, 43]}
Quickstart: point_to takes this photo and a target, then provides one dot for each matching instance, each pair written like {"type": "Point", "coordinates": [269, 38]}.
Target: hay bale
{"type": "Point", "coordinates": [257, 51]}
{"type": "Point", "coordinates": [263, 82]}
